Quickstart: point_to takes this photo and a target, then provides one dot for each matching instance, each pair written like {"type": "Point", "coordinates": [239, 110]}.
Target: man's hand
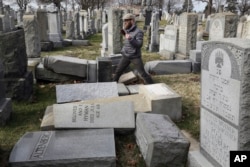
{"type": "Point", "coordinates": [127, 36]}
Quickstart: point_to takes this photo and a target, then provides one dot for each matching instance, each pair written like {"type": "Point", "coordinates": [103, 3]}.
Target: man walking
{"type": "Point", "coordinates": [131, 50]}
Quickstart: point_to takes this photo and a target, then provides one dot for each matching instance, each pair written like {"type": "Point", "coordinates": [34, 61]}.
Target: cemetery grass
{"type": "Point", "coordinates": [27, 116]}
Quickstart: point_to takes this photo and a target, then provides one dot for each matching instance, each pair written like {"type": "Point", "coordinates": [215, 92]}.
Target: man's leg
{"type": "Point", "coordinates": [140, 68]}
{"type": "Point", "coordinates": [123, 64]}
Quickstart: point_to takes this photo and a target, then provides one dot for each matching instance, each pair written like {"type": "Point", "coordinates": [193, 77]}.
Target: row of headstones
{"type": "Point", "coordinates": [102, 112]}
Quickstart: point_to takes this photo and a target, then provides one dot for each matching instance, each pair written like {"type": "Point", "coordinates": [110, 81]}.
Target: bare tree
{"type": "Point", "coordinates": [244, 6]}
{"type": "Point", "coordinates": [23, 4]}
{"type": "Point", "coordinates": [56, 2]}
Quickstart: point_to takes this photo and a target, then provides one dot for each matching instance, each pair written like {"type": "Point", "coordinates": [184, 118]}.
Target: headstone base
{"type": "Point", "coordinates": [179, 56]}
{"type": "Point", "coordinates": [153, 48]}
{"type": "Point", "coordinates": [167, 54]}
{"type": "Point", "coordinates": [19, 88]}
{"type": "Point", "coordinates": [5, 110]}
{"type": "Point", "coordinates": [196, 159]}
{"type": "Point", "coordinates": [47, 46]}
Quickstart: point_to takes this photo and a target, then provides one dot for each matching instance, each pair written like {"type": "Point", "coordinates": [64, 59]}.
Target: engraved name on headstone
{"type": "Point", "coordinates": [224, 99]}
{"type": "Point", "coordinates": [95, 115]}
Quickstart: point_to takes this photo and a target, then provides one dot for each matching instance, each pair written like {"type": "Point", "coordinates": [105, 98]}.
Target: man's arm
{"type": "Point", "coordinates": [137, 41]}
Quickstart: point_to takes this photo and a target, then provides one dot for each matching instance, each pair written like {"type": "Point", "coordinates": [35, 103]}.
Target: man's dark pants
{"type": "Point", "coordinates": [138, 65]}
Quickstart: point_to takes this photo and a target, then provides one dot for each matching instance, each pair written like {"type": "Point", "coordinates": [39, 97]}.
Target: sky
{"type": "Point", "coordinates": [198, 6]}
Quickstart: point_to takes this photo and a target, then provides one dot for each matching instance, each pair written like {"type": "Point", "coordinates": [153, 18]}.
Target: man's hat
{"type": "Point", "coordinates": [128, 16]}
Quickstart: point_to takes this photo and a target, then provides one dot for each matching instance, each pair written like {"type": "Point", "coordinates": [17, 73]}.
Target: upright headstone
{"type": "Point", "coordinates": [1, 7]}
{"type": "Point", "coordinates": [225, 101]}
{"type": "Point", "coordinates": [85, 148]}
{"type": "Point", "coordinates": [32, 37]}
{"type": "Point", "coordinates": [187, 34]}
{"type": "Point", "coordinates": [70, 31]}
{"type": "Point", "coordinates": [114, 26]}
{"type": "Point", "coordinates": [77, 34]}
{"type": "Point", "coordinates": [241, 26]}
{"type": "Point", "coordinates": [223, 25]}
{"type": "Point", "coordinates": [55, 34]}
{"type": "Point", "coordinates": [169, 41]}
{"type": "Point", "coordinates": [85, 91]}
{"type": "Point", "coordinates": [20, 17]}
{"type": "Point", "coordinates": [98, 23]}
{"type": "Point", "coordinates": [154, 42]}
{"type": "Point", "coordinates": [18, 81]}
{"type": "Point", "coordinates": [92, 71]}
{"type": "Point", "coordinates": [104, 39]}
{"type": "Point", "coordinates": [42, 20]}
{"type": "Point", "coordinates": [104, 69]}
{"type": "Point", "coordinates": [245, 30]}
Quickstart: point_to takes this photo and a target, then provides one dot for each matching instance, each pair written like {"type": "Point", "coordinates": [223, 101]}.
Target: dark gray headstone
{"type": "Point", "coordinates": [95, 115]}
{"type": "Point", "coordinates": [85, 91]}
{"type": "Point", "coordinates": [83, 148]}
{"type": "Point", "coordinates": [104, 68]}
{"type": "Point", "coordinates": [160, 141]}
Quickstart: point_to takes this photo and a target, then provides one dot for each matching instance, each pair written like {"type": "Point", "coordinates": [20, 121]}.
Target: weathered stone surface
{"type": "Point", "coordinates": [85, 91]}
{"type": "Point", "coordinates": [19, 88]}
{"type": "Point", "coordinates": [187, 33]}
{"type": "Point", "coordinates": [160, 141]}
{"type": "Point", "coordinates": [5, 110]}
{"type": "Point", "coordinates": [96, 115]}
{"type": "Point", "coordinates": [162, 100]}
{"type": "Point", "coordinates": [83, 148]}
{"type": "Point", "coordinates": [66, 65]}
{"type": "Point", "coordinates": [80, 42]}
{"type": "Point", "coordinates": [225, 100]}
{"type": "Point", "coordinates": [133, 89]}
{"type": "Point", "coordinates": [32, 36]}
{"type": "Point", "coordinates": [114, 27]}
{"type": "Point", "coordinates": [92, 71]}
{"type": "Point", "coordinates": [104, 68]}
{"type": "Point", "coordinates": [48, 119]}
{"type": "Point", "coordinates": [48, 75]}
{"type": "Point", "coordinates": [13, 53]}
{"type": "Point", "coordinates": [168, 40]}
{"type": "Point", "coordinates": [168, 67]}
{"type": "Point", "coordinates": [195, 55]}
{"type": "Point", "coordinates": [42, 20]}
{"type": "Point", "coordinates": [122, 89]}
{"type": "Point", "coordinates": [223, 25]}
{"type": "Point", "coordinates": [127, 78]}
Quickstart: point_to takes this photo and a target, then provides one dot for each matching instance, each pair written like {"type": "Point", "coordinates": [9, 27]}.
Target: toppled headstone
{"type": "Point", "coordinates": [168, 67]}
{"type": "Point", "coordinates": [85, 148]}
{"type": "Point", "coordinates": [128, 78]}
{"type": "Point", "coordinates": [162, 100]}
{"type": "Point", "coordinates": [48, 119]}
{"type": "Point", "coordinates": [85, 91]}
{"type": "Point", "coordinates": [160, 141]}
{"type": "Point", "coordinates": [122, 89]}
{"type": "Point", "coordinates": [133, 89]}
{"type": "Point", "coordinates": [95, 115]}
{"type": "Point", "coordinates": [66, 65]}
{"type": "Point", "coordinates": [44, 74]}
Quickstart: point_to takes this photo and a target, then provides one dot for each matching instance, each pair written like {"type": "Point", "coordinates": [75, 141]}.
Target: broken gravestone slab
{"type": "Point", "coordinates": [85, 148]}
